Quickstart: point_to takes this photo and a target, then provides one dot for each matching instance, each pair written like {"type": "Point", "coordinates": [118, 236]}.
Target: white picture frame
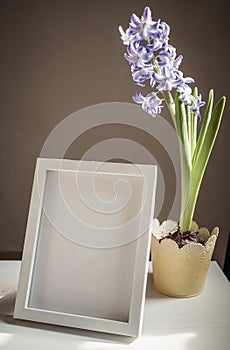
{"type": "Point", "coordinates": [86, 249]}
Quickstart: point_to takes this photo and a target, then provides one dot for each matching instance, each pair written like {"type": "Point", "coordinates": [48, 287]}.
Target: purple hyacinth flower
{"type": "Point", "coordinates": [159, 36]}
{"type": "Point", "coordinates": [177, 61]}
{"type": "Point", "coordinates": [143, 26]}
{"type": "Point", "coordinates": [197, 103]}
{"type": "Point", "coordinates": [151, 103]}
{"type": "Point", "coordinates": [141, 75]}
{"type": "Point", "coordinates": [138, 56]}
{"type": "Point", "coordinates": [152, 58]}
{"type": "Point", "coordinates": [170, 78]}
{"type": "Point", "coordinates": [126, 36]}
{"type": "Point", "coordinates": [168, 57]}
{"type": "Point", "coordinates": [162, 31]}
{"type": "Point", "coordinates": [186, 93]}
{"type": "Point", "coordinates": [167, 79]}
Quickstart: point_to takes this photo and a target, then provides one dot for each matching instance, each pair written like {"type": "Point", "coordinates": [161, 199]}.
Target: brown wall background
{"type": "Point", "coordinates": [60, 56]}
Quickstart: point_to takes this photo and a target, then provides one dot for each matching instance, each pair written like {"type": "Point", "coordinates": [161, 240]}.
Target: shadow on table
{"type": "Point", "coordinates": [6, 316]}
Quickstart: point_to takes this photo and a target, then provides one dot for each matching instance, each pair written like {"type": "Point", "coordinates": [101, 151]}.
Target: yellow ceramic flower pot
{"type": "Point", "coordinates": [181, 272]}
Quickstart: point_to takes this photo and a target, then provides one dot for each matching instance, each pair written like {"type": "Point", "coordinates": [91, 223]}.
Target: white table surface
{"type": "Point", "coordinates": [197, 323]}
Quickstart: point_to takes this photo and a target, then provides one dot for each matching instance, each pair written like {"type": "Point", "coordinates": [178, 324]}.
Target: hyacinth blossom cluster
{"type": "Point", "coordinates": [154, 61]}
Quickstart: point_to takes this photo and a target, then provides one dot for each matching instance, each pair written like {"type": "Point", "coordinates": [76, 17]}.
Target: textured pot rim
{"type": "Point", "coordinates": [161, 231]}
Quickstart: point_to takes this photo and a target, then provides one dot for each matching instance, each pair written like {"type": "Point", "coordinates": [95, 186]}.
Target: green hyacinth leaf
{"type": "Point", "coordinates": [209, 138]}
{"type": "Point", "coordinates": [204, 125]}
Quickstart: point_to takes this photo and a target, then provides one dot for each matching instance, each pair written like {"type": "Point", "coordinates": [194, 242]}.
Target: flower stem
{"type": "Point", "coordinates": [171, 106]}
{"type": "Point", "coordinates": [167, 95]}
